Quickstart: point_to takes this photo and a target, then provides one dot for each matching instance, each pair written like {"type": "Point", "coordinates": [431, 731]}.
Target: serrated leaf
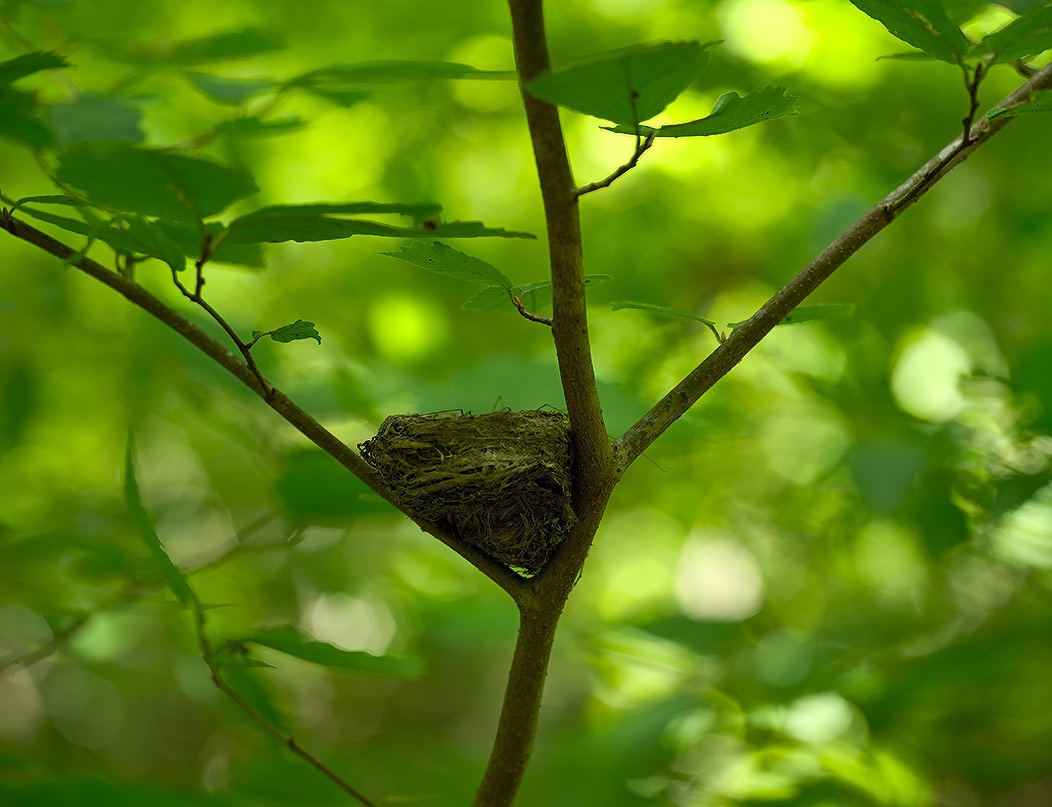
{"type": "Point", "coordinates": [1025, 36]}
{"type": "Point", "coordinates": [444, 260]}
{"type": "Point", "coordinates": [300, 329]}
{"type": "Point", "coordinates": [322, 222]}
{"type": "Point", "coordinates": [1040, 101]}
{"type": "Point", "coordinates": [233, 91]}
{"type": "Point", "coordinates": [98, 118]}
{"type": "Point", "coordinates": [489, 298]}
{"type": "Point", "coordinates": [921, 23]}
{"type": "Point", "coordinates": [288, 640]}
{"type": "Point", "coordinates": [214, 48]}
{"type": "Point", "coordinates": [627, 86]}
{"type": "Point", "coordinates": [28, 63]}
{"type": "Point", "coordinates": [251, 126]}
{"type": "Point", "coordinates": [173, 577]}
{"type": "Point", "coordinates": [169, 186]}
{"type": "Point", "coordinates": [19, 122]}
{"type": "Point", "coordinates": [731, 112]}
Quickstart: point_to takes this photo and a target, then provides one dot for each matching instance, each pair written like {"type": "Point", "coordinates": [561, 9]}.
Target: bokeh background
{"type": "Point", "coordinates": [829, 584]}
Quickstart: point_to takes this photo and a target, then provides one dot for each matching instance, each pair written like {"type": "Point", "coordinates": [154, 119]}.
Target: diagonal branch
{"type": "Point", "coordinates": [272, 396]}
{"type": "Point", "coordinates": [720, 362]}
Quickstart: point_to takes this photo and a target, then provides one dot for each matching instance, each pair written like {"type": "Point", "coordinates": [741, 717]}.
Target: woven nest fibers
{"type": "Point", "coordinates": [499, 481]}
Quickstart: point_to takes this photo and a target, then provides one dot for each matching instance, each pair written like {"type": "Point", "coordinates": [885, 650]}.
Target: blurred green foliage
{"type": "Point", "coordinates": [830, 584]}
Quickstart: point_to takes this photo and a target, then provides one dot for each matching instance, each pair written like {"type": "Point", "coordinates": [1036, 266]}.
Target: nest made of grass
{"type": "Point", "coordinates": [500, 481]}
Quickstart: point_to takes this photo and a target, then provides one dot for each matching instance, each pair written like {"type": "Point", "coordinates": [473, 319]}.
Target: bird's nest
{"type": "Point", "coordinates": [500, 481]}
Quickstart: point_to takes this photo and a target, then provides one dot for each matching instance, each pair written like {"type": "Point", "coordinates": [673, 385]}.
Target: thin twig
{"type": "Point", "coordinates": [971, 83]}
{"type": "Point", "coordinates": [642, 145]}
{"type": "Point", "coordinates": [722, 360]}
{"type": "Point", "coordinates": [521, 308]}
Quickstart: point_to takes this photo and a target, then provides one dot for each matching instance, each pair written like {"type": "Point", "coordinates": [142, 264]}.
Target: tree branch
{"type": "Point", "coordinates": [642, 145]}
{"type": "Point", "coordinates": [720, 362]}
{"type": "Point", "coordinates": [272, 396]}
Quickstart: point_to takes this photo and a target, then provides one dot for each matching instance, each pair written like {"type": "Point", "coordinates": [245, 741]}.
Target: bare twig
{"type": "Point", "coordinates": [720, 362]}
{"type": "Point", "coordinates": [521, 308]}
{"type": "Point", "coordinates": [642, 145]}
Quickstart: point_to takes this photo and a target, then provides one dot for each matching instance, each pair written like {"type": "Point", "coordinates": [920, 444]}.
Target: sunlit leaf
{"type": "Point", "coordinates": [1025, 36]}
{"type": "Point", "coordinates": [731, 112]}
{"type": "Point", "coordinates": [921, 23]}
{"type": "Point", "coordinates": [444, 260]}
{"type": "Point", "coordinates": [96, 117]}
{"type": "Point", "coordinates": [300, 329]}
{"type": "Point", "coordinates": [232, 91]}
{"type": "Point", "coordinates": [173, 577]}
{"type": "Point", "coordinates": [29, 63]}
{"type": "Point", "coordinates": [627, 86]}
{"type": "Point", "coordinates": [288, 640]}
{"type": "Point", "coordinates": [154, 183]}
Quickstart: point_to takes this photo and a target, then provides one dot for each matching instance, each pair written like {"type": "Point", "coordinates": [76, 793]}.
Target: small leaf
{"type": "Point", "coordinates": [28, 63]}
{"type": "Point", "coordinates": [731, 112]}
{"type": "Point", "coordinates": [155, 242]}
{"type": "Point", "coordinates": [444, 260]}
{"type": "Point", "coordinates": [96, 117]}
{"type": "Point", "coordinates": [627, 86]}
{"type": "Point", "coordinates": [19, 122]}
{"type": "Point", "coordinates": [252, 126]}
{"type": "Point", "coordinates": [234, 91]}
{"type": "Point", "coordinates": [300, 329]}
{"type": "Point", "coordinates": [1040, 101]}
{"type": "Point", "coordinates": [322, 222]}
{"type": "Point", "coordinates": [489, 298]}
{"type": "Point", "coordinates": [1025, 36]}
{"type": "Point", "coordinates": [287, 639]}
{"type": "Point", "coordinates": [921, 23]}
{"type": "Point", "coordinates": [668, 312]}
{"type": "Point", "coordinates": [173, 577]}
{"type": "Point", "coordinates": [153, 183]}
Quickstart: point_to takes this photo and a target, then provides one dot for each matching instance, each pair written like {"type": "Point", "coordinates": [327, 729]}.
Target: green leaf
{"type": "Point", "coordinates": [539, 293]}
{"type": "Point", "coordinates": [668, 312]}
{"type": "Point", "coordinates": [489, 298]}
{"type": "Point", "coordinates": [627, 86]}
{"type": "Point", "coordinates": [315, 489]}
{"type": "Point", "coordinates": [28, 63]}
{"type": "Point", "coordinates": [730, 113]}
{"type": "Point", "coordinates": [233, 91]}
{"type": "Point", "coordinates": [300, 329]}
{"type": "Point", "coordinates": [321, 222]}
{"type": "Point", "coordinates": [155, 242]}
{"type": "Point", "coordinates": [251, 126]}
{"type": "Point", "coordinates": [215, 48]}
{"type": "Point", "coordinates": [18, 121]}
{"type": "Point", "coordinates": [466, 229]}
{"type": "Point", "coordinates": [921, 23]}
{"type": "Point", "coordinates": [385, 72]}
{"type": "Point", "coordinates": [188, 237]}
{"type": "Point", "coordinates": [1040, 101]}
{"type": "Point", "coordinates": [154, 183]}
{"type": "Point", "coordinates": [1025, 36]}
{"type": "Point", "coordinates": [287, 639]}
{"type": "Point", "coordinates": [444, 260]}
{"type": "Point", "coordinates": [173, 577]}
{"type": "Point", "coordinates": [96, 117]}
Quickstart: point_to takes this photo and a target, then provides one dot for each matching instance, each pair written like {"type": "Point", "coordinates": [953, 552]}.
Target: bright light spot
{"type": "Point", "coordinates": [926, 378]}
{"type": "Point", "coordinates": [1024, 536]}
{"type": "Point", "coordinates": [818, 718]}
{"type": "Point", "coordinates": [887, 557]}
{"type": "Point", "coordinates": [770, 32]}
{"type": "Point", "coordinates": [628, 11]}
{"type": "Point", "coordinates": [802, 443]}
{"type": "Point", "coordinates": [718, 579]}
{"type": "Point", "coordinates": [352, 623]}
{"type": "Point", "coordinates": [405, 328]}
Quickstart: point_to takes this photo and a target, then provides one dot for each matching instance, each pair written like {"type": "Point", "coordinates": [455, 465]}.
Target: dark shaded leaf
{"type": "Point", "coordinates": [300, 329]}
{"type": "Point", "coordinates": [96, 117]}
{"type": "Point", "coordinates": [321, 222]}
{"type": "Point", "coordinates": [29, 63]}
{"type": "Point", "coordinates": [489, 298]}
{"type": "Point", "coordinates": [1025, 36]}
{"type": "Point", "coordinates": [234, 91]}
{"type": "Point", "coordinates": [730, 113]}
{"type": "Point", "coordinates": [155, 183]}
{"type": "Point", "coordinates": [215, 48]}
{"type": "Point", "coordinates": [444, 260]}
{"type": "Point", "coordinates": [251, 126]}
{"type": "Point", "coordinates": [287, 639]}
{"type": "Point", "coordinates": [385, 72]}
{"type": "Point", "coordinates": [921, 23]}
{"type": "Point", "coordinates": [18, 121]}
{"type": "Point", "coordinates": [627, 86]}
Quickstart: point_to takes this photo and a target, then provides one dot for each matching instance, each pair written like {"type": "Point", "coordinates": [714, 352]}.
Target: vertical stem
{"type": "Point", "coordinates": [522, 704]}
